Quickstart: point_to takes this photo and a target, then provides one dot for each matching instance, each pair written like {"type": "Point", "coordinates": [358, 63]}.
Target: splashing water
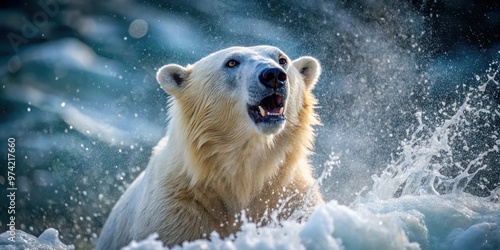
{"type": "Point", "coordinates": [445, 160]}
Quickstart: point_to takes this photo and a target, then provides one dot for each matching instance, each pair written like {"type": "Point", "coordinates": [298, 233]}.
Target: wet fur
{"type": "Point", "coordinates": [213, 163]}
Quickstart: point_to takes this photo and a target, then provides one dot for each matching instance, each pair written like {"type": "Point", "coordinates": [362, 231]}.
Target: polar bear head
{"type": "Point", "coordinates": [240, 90]}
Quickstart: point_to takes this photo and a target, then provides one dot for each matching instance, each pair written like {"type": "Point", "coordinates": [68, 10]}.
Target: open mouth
{"type": "Point", "coordinates": [270, 109]}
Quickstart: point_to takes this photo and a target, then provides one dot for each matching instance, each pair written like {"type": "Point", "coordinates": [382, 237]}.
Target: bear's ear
{"type": "Point", "coordinates": [172, 78]}
{"type": "Point", "coordinates": [309, 69]}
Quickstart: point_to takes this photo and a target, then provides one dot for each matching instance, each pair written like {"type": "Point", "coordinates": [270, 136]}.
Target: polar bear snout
{"type": "Point", "coordinates": [273, 78]}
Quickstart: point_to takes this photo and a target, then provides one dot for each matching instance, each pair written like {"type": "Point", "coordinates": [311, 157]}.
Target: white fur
{"type": "Point", "coordinates": [214, 161]}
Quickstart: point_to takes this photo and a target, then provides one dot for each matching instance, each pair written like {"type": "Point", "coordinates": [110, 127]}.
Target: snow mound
{"type": "Point", "coordinates": [19, 240]}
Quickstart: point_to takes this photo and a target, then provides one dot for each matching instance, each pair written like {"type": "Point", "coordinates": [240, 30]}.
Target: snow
{"type": "Point", "coordinates": [49, 239]}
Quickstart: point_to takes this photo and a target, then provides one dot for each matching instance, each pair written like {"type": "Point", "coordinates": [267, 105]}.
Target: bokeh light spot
{"type": "Point", "coordinates": [138, 28]}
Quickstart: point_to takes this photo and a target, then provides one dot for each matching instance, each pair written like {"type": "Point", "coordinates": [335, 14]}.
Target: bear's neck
{"type": "Point", "coordinates": [232, 161]}
{"type": "Point", "coordinates": [243, 165]}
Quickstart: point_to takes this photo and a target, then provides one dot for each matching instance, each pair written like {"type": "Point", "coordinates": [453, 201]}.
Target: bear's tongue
{"type": "Point", "coordinates": [271, 105]}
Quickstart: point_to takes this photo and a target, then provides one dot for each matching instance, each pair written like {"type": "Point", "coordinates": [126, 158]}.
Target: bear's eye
{"type": "Point", "coordinates": [282, 61]}
{"type": "Point", "coordinates": [232, 63]}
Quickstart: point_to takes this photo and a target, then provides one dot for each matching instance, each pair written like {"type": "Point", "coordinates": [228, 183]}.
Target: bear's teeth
{"type": "Point", "coordinates": [281, 111]}
{"type": "Point", "coordinates": [262, 111]}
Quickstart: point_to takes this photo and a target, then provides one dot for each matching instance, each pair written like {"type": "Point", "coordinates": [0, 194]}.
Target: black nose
{"type": "Point", "coordinates": [273, 78]}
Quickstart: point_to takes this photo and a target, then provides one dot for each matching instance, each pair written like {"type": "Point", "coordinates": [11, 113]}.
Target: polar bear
{"type": "Point", "coordinates": [239, 136]}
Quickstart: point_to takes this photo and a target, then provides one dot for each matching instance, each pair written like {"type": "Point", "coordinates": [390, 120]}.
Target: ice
{"type": "Point", "coordinates": [49, 239]}
{"type": "Point", "coordinates": [149, 243]}
{"type": "Point", "coordinates": [475, 237]}
{"type": "Point", "coordinates": [442, 221]}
